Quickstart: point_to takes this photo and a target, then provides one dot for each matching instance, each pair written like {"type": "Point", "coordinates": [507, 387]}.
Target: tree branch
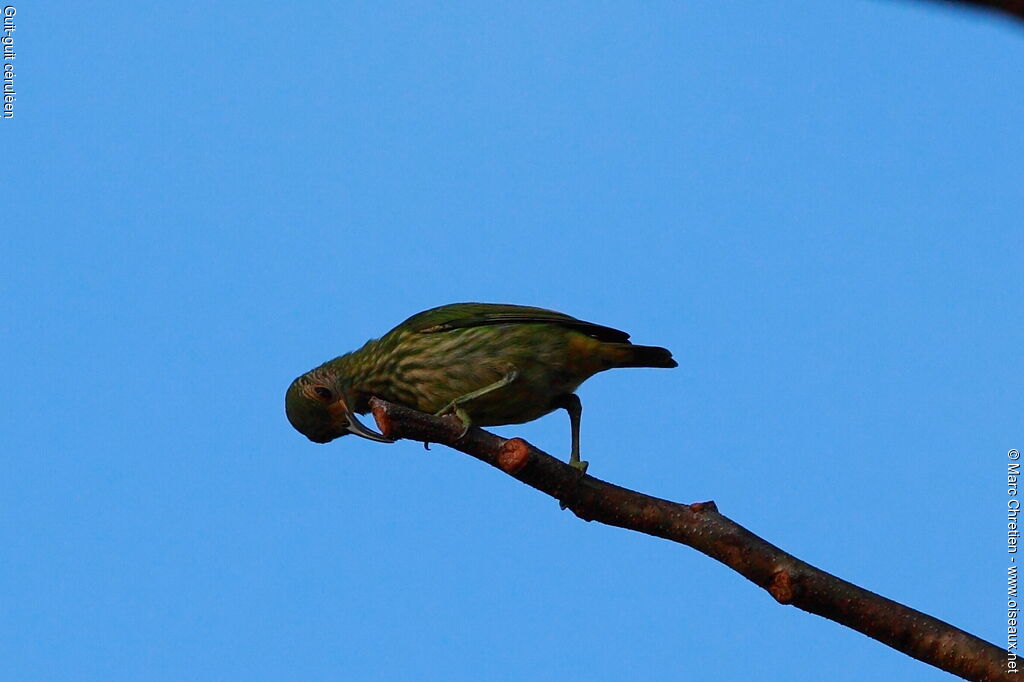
{"type": "Point", "coordinates": [1014, 8]}
{"type": "Point", "coordinates": [788, 579]}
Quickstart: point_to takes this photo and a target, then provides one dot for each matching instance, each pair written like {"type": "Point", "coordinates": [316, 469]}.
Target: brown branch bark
{"type": "Point", "coordinates": [700, 526]}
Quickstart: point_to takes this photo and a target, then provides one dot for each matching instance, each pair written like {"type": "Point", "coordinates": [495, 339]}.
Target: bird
{"type": "Point", "coordinates": [489, 364]}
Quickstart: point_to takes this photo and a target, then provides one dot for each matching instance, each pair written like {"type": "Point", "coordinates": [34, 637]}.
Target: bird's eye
{"type": "Point", "coordinates": [323, 392]}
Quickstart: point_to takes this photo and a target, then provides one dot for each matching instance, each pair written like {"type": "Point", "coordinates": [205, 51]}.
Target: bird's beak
{"type": "Point", "coordinates": [357, 427]}
{"type": "Point", "coordinates": [342, 417]}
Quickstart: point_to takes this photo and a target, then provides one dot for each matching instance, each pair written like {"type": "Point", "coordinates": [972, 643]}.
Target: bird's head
{"type": "Point", "coordinates": [319, 406]}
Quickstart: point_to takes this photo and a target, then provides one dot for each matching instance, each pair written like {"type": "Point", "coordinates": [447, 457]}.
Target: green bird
{"type": "Point", "coordinates": [489, 364]}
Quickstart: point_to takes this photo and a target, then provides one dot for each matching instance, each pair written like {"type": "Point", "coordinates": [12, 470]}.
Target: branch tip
{"type": "Point", "coordinates": [381, 416]}
{"type": "Point", "coordinates": [513, 456]}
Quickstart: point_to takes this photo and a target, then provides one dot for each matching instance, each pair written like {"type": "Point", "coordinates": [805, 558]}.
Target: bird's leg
{"type": "Point", "coordinates": [456, 405]}
{"type": "Point", "coordinates": [571, 403]}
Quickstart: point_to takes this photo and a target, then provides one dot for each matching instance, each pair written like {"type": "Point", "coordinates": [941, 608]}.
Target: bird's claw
{"type": "Point", "coordinates": [462, 435]}
{"type": "Point", "coordinates": [460, 414]}
{"type": "Point", "coordinates": [580, 466]}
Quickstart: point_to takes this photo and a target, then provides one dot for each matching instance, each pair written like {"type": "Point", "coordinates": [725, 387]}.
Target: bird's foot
{"type": "Point", "coordinates": [456, 409]}
{"type": "Point", "coordinates": [579, 465]}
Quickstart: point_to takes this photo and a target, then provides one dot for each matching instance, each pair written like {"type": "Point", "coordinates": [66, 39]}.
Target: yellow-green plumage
{"type": "Point", "coordinates": [435, 358]}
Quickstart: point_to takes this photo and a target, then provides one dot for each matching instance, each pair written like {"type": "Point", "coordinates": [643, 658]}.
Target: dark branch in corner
{"type": "Point", "coordinates": [788, 579]}
{"type": "Point", "coordinates": [1014, 8]}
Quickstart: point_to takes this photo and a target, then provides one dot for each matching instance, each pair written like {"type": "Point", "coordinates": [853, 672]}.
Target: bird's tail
{"type": "Point", "coordinates": [628, 355]}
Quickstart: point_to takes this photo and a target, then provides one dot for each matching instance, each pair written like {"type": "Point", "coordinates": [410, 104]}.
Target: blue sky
{"type": "Point", "coordinates": [816, 206]}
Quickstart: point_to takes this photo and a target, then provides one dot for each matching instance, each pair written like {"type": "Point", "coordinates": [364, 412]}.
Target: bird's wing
{"type": "Point", "coordinates": [462, 315]}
